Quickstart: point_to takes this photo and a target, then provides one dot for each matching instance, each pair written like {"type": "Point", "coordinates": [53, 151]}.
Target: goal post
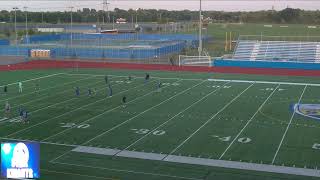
{"type": "Point", "coordinates": [195, 60]}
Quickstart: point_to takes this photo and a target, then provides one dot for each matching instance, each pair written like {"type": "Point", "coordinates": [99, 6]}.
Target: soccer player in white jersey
{"type": "Point", "coordinates": [7, 109]}
{"type": "Point", "coordinates": [20, 87]}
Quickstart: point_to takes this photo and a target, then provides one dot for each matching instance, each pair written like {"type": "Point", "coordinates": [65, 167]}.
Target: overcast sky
{"type": "Point", "coordinates": [225, 5]}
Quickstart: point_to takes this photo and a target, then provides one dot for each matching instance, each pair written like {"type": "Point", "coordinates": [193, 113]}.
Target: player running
{"type": "Point", "coordinates": [25, 116]}
{"type": "Point", "coordinates": [77, 91]}
{"type": "Point", "coordinates": [7, 110]}
{"type": "Point", "coordinates": [89, 92]}
{"type": "Point", "coordinates": [129, 78]}
{"type": "Point", "coordinates": [20, 87]}
{"type": "Point", "coordinates": [124, 101]}
{"type": "Point", "coordinates": [94, 91]}
{"type": "Point", "coordinates": [21, 113]}
{"type": "Point", "coordinates": [110, 90]}
{"type": "Point", "coordinates": [5, 90]}
{"type": "Point", "coordinates": [159, 84]}
{"type": "Point", "coordinates": [37, 87]}
{"type": "Point", "coordinates": [147, 78]}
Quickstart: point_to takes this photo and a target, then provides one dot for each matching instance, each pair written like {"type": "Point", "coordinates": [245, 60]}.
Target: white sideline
{"type": "Point", "coordinates": [285, 133]}
{"type": "Point", "coordinates": [142, 112]}
{"type": "Point", "coordinates": [197, 161]}
{"type": "Point", "coordinates": [223, 80]}
{"type": "Point", "coordinates": [182, 159]}
{"type": "Point", "coordinates": [209, 120]}
{"type": "Point", "coordinates": [161, 125]}
{"type": "Point", "coordinates": [128, 171]}
{"type": "Point", "coordinates": [42, 142]}
{"type": "Point", "coordinates": [41, 77]}
{"type": "Point", "coordinates": [267, 82]}
{"type": "Point", "coordinates": [254, 115]}
{"type": "Point", "coordinates": [66, 113]}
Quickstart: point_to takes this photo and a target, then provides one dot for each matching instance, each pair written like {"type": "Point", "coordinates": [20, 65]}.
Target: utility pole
{"type": "Point", "coordinates": [42, 17]}
{"type": "Point", "coordinates": [105, 6]}
{"type": "Point", "coordinates": [200, 29]}
{"type": "Point", "coordinates": [15, 24]}
{"type": "Point", "coordinates": [71, 38]}
{"type": "Point", "coordinates": [25, 9]}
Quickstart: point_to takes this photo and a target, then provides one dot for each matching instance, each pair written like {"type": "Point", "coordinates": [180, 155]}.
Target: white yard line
{"type": "Point", "coordinates": [128, 120]}
{"type": "Point", "coordinates": [68, 112]}
{"type": "Point", "coordinates": [161, 125]}
{"type": "Point", "coordinates": [129, 171]}
{"type": "Point", "coordinates": [34, 92]}
{"type": "Point", "coordinates": [254, 115]}
{"type": "Point", "coordinates": [103, 112]}
{"type": "Point", "coordinates": [41, 77]}
{"type": "Point", "coordinates": [222, 80]}
{"type": "Point", "coordinates": [209, 120]}
{"type": "Point", "coordinates": [285, 133]}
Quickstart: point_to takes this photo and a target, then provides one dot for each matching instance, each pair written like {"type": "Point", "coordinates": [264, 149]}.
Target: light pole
{"type": "Point", "coordinates": [25, 9]}
{"type": "Point", "coordinates": [200, 29]}
{"type": "Point", "coordinates": [15, 23]}
{"type": "Point", "coordinates": [71, 38]}
{"type": "Point", "coordinates": [105, 5]}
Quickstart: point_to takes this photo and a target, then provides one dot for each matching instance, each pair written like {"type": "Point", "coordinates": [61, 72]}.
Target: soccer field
{"type": "Point", "coordinates": [197, 126]}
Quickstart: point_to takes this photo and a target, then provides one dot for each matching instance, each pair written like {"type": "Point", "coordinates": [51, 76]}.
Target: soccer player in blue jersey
{"type": "Point", "coordinates": [5, 89]}
{"type": "Point", "coordinates": [110, 90]}
{"type": "Point", "coordinates": [77, 91]}
{"type": "Point", "coordinates": [25, 116]}
{"type": "Point", "coordinates": [21, 113]}
{"type": "Point", "coordinates": [124, 101]}
{"type": "Point", "coordinates": [147, 78]}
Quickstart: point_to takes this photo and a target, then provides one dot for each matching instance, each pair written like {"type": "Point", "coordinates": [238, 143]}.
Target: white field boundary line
{"type": "Point", "coordinates": [161, 125]}
{"type": "Point", "coordinates": [42, 142]}
{"type": "Point", "coordinates": [155, 77]}
{"type": "Point", "coordinates": [70, 111]}
{"type": "Point", "coordinates": [128, 120]}
{"type": "Point", "coordinates": [128, 171]}
{"type": "Point", "coordinates": [41, 77]}
{"type": "Point", "coordinates": [286, 131]}
{"type": "Point", "coordinates": [254, 115]}
{"type": "Point", "coordinates": [210, 162]}
{"type": "Point", "coordinates": [103, 112]}
{"type": "Point", "coordinates": [46, 107]}
{"type": "Point", "coordinates": [81, 175]}
{"type": "Point", "coordinates": [202, 162]}
{"type": "Point", "coordinates": [222, 80]}
{"type": "Point", "coordinates": [208, 121]}
{"type": "Point", "coordinates": [45, 89]}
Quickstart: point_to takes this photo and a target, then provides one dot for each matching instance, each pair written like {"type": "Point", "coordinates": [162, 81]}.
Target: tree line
{"type": "Point", "coordinates": [86, 15]}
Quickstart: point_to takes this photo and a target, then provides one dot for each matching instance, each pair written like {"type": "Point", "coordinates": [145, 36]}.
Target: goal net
{"type": "Point", "coordinates": [194, 60]}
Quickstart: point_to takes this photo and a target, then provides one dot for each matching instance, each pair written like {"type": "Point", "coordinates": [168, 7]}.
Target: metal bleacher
{"type": "Point", "coordinates": [297, 51]}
